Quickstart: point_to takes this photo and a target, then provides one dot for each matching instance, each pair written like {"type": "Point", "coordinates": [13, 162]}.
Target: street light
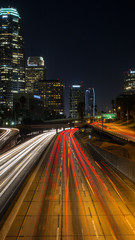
{"type": "Point", "coordinates": [119, 108]}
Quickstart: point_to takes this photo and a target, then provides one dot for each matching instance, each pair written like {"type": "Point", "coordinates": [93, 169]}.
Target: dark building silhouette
{"type": "Point", "coordinates": [27, 108]}
{"type": "Point", "coordinates": [90, 102]}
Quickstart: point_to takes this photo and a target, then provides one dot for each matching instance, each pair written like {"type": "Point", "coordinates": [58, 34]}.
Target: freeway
{"type": "Point", "coordinates": [72, 194]}
{"type": "Point", "coordinates": [118, 130]}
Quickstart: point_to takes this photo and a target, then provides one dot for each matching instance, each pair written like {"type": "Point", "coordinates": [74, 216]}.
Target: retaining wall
{"type": "Point", "coordinates": [124, 165]}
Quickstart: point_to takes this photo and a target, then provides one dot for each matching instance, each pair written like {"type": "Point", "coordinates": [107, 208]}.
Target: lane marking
{"type": "Point", "coordinates": [83, 187]}
{"type": "Point", "coordinates": [57, 237]}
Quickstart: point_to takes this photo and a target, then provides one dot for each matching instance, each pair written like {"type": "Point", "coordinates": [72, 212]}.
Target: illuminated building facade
{"type": "Point", "coordinates": [129, 82]}
{"type": "Point", "coordinates": [34, 72]}
{"type": "Point", "coordinates": [76, 97]}
{"type": "Point", "coordinates": [12, 65]}
{"type": "Point", "coordinates": [90, 102]}
{"type": "Point", "coordinates": [52, 91]}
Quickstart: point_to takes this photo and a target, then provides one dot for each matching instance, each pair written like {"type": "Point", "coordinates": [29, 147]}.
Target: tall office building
{"type": "Point", "coordinates": [90, 102]}
{"type": "Point", "coordinates": [76, 98]}
{"type": "Point", "coordinates": [129, 82]}
{"type": "Point", "coordinates": [52, 91]}
{"type": "Point", "coordinates": [34, 72]}
{"type": "Point", "coordinates": [12, 64]}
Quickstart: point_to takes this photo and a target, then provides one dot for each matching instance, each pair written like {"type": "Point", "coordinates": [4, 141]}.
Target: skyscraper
{"type": "Point", "coordinates": [12, 63]}
{"type": "Point", "coordinates": [129, 82]}
{"type": "Point", "coordinates": [34, 74]}
{"type": "Point", "coordinates": [52, 91]}
{"type": "Point", "coordinates": [76, 98]}
{"type": "Point", "coordinates": [90, 102]}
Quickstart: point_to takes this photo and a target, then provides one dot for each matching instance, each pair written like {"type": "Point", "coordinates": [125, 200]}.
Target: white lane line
{"type": "Point", "coordinates": [57, 237]}
{"type": "Point", "coordinates": [83, 188]}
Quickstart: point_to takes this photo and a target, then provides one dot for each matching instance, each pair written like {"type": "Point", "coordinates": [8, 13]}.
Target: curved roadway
{"type": "Point", "coordinates": [73, 195]}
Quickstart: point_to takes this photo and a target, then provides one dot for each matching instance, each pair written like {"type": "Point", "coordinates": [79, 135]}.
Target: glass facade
{"type": "Point", "coordinates": [90, 102]}
{"type": "Point", "coordinates": [34, 72]}
{"type": "Point", "coordinates": [52, 91]}
{"type": "Point", "coordinates": [76, 97]}
{"type": "Point", "coordinates": [12, 74]}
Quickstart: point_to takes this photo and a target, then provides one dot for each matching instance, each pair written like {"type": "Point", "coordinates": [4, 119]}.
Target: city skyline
{"type": "Point", "coordinates": [85, 42]}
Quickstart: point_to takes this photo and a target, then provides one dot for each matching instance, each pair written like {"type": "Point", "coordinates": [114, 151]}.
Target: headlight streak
{"type": "Point", "coordinates": [18, 169]}
{"type": "Point", "coordinates": [17, 149]}
{"type": "Point", "coordinates": [6, 132]}
{"type": "Point", "coordinates": [66, 160]}
{"type": "Point", "coordinates": [22, 161]}
{"type": "Point", "coordinates": [12, 162]}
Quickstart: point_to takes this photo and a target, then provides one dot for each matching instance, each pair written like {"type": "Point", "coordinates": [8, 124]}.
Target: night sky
{"type": "Point", "coordinates": [89, 41]}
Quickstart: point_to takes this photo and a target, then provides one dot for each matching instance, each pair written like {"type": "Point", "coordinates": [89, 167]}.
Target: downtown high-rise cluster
{"type": "Point", "coordinates": [25, 93]}
{"type": "Point", "coordinates": [125, 102]}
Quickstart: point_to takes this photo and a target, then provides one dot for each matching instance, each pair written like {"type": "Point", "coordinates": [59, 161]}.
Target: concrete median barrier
{"type": "Point", "coordinates": [124, 165]}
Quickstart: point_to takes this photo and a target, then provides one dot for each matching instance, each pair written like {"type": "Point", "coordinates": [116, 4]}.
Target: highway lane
{"type": "Point", "coordinates": [74, 195]}
{"type": "Point", "coordinates": [17, 162]}
{"type": "Point", "coordinates": [115, 129]}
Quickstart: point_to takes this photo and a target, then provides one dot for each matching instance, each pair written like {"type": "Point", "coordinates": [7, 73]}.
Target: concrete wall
{"type": "Point", "coordinates": [124, 165]}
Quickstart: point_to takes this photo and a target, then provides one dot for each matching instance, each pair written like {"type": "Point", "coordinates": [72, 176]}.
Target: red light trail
{"type": "Point", "coordinates": [81, 193]}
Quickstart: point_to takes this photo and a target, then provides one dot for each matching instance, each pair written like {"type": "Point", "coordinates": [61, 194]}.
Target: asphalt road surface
{"type": "Point", "coordinates": [71, 194]}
